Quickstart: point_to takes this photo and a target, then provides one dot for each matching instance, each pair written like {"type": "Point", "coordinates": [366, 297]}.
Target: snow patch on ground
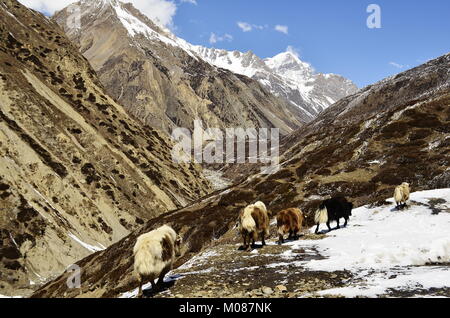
{"type": "Point", "coordinates": [87, 246]}
{"type": "Point", "coordinates": [383, 237]}
{"type": "Point", "coordinates": [203, 258]}
{"type": "Point", "coordinates": [216, 179]}
{"type": "Point", "coordinates": [3, 296]}
{"type": "Point", "coordinates": [376, 284]}
{"type": "Point", "coordinates": [388, 249]}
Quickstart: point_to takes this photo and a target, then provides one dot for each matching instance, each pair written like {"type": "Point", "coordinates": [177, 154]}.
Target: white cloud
{"type": "Point", "coordinates": [214, 38]}
{"type": "Point", "coordinates": [194, 2]}
{"type": "Point", "coordinates": [247, 27]}
{"type": "Point", "coordinates": [396, 65]}
{"type": "Point", "coordinates": [282, 28]}
{"type": "Point", "coordinates": [160, 11]}
{"type": "Point", "coordinates": [46, 6]}
{"type": "Point", "coordinates": [293, 51]}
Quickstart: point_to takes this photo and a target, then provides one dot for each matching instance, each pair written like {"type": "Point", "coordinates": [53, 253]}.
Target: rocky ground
{"type": "Point", "coordinates": [229, 272]}
{"type": "Point", "coordinates": [226, 271]}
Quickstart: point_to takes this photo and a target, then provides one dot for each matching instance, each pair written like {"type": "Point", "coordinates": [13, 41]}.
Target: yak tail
{"type": "Point", "coordinates": [144, 261]}
{"type": "Point", "coordinates": [398, 195]}
{"type": "Point", "coordinates": [248, 223]}
{"type": "Point", "coordinates": [321, 216]}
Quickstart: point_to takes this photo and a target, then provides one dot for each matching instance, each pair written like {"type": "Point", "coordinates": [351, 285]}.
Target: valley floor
{"type": "Point", "coordinates": [382, 253]}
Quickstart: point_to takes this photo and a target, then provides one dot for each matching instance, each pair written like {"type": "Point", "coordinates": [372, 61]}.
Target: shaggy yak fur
{"type": "Point", "coordinates": [290, 222]}
{"type": "Point", "coordinates": [401, 195]}
{"type": "Point", "coordinates": [333, 210]}
{"type": "Point", "coordinates": [154, 255]}
{"type": "Point", "coordinates": [254, 223]}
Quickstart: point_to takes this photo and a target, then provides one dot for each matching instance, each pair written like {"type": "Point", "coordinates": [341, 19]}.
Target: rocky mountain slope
{"type": "Point", "coordinates": [362, 147]}
{"type": "Point", "coordinates": [286, 76]}
{"type": "Point", "coordinates": [77, 173]}
{"type": "Point", "coordinates": [158, 78]}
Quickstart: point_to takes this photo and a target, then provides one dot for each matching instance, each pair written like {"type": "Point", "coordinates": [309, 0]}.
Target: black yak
{"type": "Point", "coordinates": [333, 210]}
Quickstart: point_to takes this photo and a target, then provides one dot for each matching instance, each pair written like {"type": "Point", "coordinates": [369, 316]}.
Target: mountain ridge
{"type": "Point", "coordinates": [77, 173]}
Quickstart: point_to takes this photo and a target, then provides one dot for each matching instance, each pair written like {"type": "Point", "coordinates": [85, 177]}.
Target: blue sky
{"type": "Point", "coordinates": [332, 35]}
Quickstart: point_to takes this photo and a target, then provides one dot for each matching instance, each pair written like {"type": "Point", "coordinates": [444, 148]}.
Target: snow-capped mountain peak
{"type": "Point", "coordinates": [291, 66]}
{"type": "Point", "coordinates": [284, 75]}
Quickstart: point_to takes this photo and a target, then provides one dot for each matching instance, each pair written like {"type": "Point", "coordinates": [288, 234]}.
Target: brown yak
{"type": "Point", "coordinates": [290, 222]}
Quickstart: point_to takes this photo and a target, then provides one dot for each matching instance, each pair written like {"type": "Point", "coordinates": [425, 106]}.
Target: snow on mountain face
{"type": "Point", "coordinates": [132, 24]}
{"type": "Point", "coordinates": [284, 75]}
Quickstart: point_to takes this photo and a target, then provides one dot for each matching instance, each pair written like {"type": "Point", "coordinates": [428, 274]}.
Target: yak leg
{"type": "Point", "coordinates": [281, 240]}
{"type": "Point", "coordinates": [140, 287]}
{"type": "Point", "coordinates": [338, 226]}
{"type": "Point", "coordinates": [317, 228]}
{"type": "Point", "coordinates": [245, 241]}
{"type": "Point", "coordinates": [161, 277]}
{"type": "Point", "coordinates": [263, 239]}
{"type": "Point", "coordinates": [253, 242]}
{"type": "Point", "coordinates": [346, 221]}
{"type": "Point", "coordinates": [294, 235]}
{"type": "Point", "coordinates": [248, 243]}
{"type": "Point", "coordinates": [328, 225]}
{"type": "Point", "coordinates": [154, 286]}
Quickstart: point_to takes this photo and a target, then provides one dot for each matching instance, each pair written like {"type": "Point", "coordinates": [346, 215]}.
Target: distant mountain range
{"type": "Point", "coordinates": [286, 76]}
{"type": "Point", "coordinates": [166, 81]}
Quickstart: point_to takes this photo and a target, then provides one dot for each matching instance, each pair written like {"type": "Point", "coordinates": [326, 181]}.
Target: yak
{"type": "Point", "coordinates": [254, 223]}
{"type": "Point", "coordinates": [154, 255]}
{"type": "Point", "coordinates": [290, 222]}
{"type": "Point", "coordinates": [333, 210]}
{"type": "Point", "coordinates": [401, 195]}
